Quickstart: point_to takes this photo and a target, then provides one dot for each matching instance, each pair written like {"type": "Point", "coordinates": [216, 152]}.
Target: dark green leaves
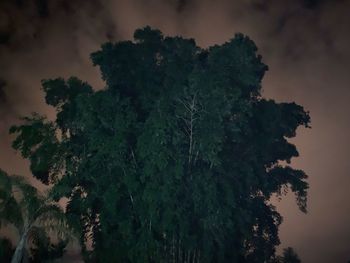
{"type": "Point", "coordinates": [176, 159]}
{"type": "Point", "coordinates": [37, 141]}
{"type": "Point", "coordinates": [59, 92]}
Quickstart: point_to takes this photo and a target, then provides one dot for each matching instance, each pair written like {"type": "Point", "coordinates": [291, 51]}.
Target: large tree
{"type": "Point", "coordinates": [176, 159]}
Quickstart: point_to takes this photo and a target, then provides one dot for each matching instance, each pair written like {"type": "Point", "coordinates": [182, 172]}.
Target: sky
{"type": "Point", "coordinates": [305, 43]}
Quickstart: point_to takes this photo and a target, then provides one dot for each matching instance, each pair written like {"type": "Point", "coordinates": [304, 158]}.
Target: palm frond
{"type": "Point", "coordinates": [36, 234]}
{"type": "Point", "coordinates": [28, 198]}
{"type": "Point", "coordinates": [10, 210]}
{"type": "Point", "coordinates": [10, 213]}
{"type": "Point", "coordinates": [52, 218]}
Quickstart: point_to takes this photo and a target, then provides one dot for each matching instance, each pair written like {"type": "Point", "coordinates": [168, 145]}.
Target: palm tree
{"type": "Point", "coordinates": [33, 214]}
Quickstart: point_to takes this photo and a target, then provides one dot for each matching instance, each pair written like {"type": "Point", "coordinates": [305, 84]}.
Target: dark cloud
{"type": "Point", "coordinates": [304, 42]}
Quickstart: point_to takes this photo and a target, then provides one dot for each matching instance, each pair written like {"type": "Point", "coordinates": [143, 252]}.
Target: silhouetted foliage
{"type": "Point", "coordinates": [176, 159]}
{"type": "Point", "coordinates": [288, 256]}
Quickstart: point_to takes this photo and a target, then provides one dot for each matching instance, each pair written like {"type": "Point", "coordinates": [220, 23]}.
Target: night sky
{"type": "Point", "coordinates": [304, 43]}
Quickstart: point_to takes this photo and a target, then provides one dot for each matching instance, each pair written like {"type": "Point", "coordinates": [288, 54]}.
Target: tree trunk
{"type": "Point", "coordinates": [19, 252]}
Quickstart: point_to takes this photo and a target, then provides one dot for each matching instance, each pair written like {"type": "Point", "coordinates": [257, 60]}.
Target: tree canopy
{"type": "Point", "coordinates": [176, 159]}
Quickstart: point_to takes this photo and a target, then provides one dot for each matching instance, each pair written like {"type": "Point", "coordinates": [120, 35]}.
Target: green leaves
{"type": "Point", "coordinates": [176, 159]}
{"type": "Point", "coordinates": [58, 92]}
{"type": "Point", "coordinates": [36, 140]}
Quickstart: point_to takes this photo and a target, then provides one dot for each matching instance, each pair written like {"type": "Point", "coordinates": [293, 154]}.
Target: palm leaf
{"type": "Point", "coordinates": [10, 213]}
{"type": "Point", "coordinates": [10, 210]}
{"type": "Point", "coordinates": [52, 218]}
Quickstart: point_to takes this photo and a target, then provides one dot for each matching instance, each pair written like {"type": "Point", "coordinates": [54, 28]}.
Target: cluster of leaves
{"type": "Point", "coordinates": [176, 159]}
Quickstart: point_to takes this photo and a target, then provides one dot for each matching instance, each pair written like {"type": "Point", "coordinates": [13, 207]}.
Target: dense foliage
{"type": "Point", "coordinates": [176, 159]}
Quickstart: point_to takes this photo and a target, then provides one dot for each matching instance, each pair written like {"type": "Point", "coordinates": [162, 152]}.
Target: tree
{"type": "Point", "coordinates": [176, 159]}
{"type": "Point", "coordinates": [34, 216]}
